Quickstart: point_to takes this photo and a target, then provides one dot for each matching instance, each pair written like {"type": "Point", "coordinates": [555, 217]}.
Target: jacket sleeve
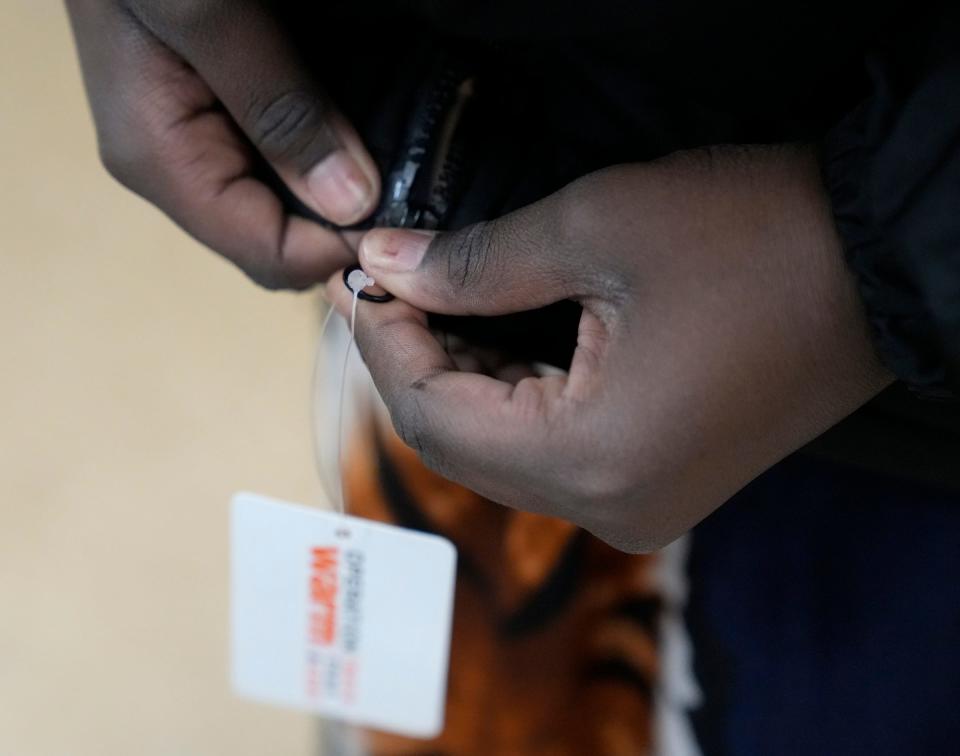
{"type": "Point", "coordinates": [892, 168]}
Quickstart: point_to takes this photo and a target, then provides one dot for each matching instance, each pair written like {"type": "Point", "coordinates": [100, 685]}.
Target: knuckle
{"type": "Point", "coordinates": [179, 15]}
{"type": "Point", "coordinates": [470, 256]}
{"type": "Point", "coordinates": [411, 425]}
{"type": "Point", "coordinates": [596, 472]}
{"type": "Point", "coordinates": [577, 207]}
{"type": "Point", "coordinates": [600, 484]}
{"type": "Point", "coordinates": [269, 278]}
{"type": "Point", "coordinates": [632, 541]}
{"type": "Point", "coordinates": [124, 161]}
{"type": "Point", "coordinates": [267, 268]}
{"type": "Point", "coordinates": [593, 214]}
{"type": "Point", "coordinates": [259, 261]}
{"type": "Point", "coordinates": [642, 523]}
{"type": "Point", "coordinates": [290, 127]}
{"type": "Point", "coordinates": [624, 501]}
{"type": "Point", "coordinates": [624, 516]}
{"type": "Point", "coordinates": [608, 496]}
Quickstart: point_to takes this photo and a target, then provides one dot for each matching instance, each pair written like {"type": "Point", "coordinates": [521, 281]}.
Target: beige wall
{"type": "Point", "coordinates": [142, 381]}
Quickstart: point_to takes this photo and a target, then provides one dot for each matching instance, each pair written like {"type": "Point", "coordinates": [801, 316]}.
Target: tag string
{"type": "Point", "coordinates": [315, 403]}
{"type": "Point", "coordinates": [358, 282]}
{"type": "Point", "coordinates": [342, 501]}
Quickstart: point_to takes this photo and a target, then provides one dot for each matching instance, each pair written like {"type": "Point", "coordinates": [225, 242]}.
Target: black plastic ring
{"type": "Point", "coordinates": [388, 297]}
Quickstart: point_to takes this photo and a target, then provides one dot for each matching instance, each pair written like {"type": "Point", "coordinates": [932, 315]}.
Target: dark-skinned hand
{"type": "Point", "coordinates": [720, 332]}
{"type": "Point", "coordinates": [189, 95]}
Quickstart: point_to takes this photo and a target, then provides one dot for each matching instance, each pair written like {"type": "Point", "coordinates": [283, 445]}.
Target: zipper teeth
{"type": "Point", "coordinates": [421, 183]}
{"type": "Point", "coordinates": [433, 187]}
{"type": "Point", "coordinates": [452, 158]}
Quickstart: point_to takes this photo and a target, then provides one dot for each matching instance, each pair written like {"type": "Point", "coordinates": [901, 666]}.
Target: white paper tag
{"type": "Point", "coordinates": [340, 616]}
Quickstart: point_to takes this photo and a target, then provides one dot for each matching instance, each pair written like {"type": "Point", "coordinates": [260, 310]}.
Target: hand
{"type": "Point", "coordinates": [186, 93]}
{"type": "Point", "coordinates": [720, 332]}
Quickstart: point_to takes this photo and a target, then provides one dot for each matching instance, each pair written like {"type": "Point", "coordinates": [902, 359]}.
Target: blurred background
{"type": "Point", "coordinates": [143, 381]}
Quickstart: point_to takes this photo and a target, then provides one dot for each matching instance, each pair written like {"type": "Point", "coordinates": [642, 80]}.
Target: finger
{"type": "Point", "coordinates": [527, 259]}
{"type": "Point", "coordinates": [162, 135]}
{"type": "Point", "coordinates": [492, 436]}
{"type": "Point", "coordinates": [240, 50]}
{"type": "Point", "coordinates": [514, 372]}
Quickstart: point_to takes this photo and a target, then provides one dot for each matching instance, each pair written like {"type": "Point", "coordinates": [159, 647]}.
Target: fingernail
{"type": "Point", "coordinates": [395, 251]}
{"type": "Point", "coordinates": [340, 188]}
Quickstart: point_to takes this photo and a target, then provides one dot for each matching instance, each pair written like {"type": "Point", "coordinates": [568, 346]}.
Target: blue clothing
{"type": "Point", "coordinates": [825, 611]}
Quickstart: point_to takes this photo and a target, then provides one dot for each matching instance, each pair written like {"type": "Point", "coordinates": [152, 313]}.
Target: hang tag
{"type": "Point", "coordinates": [340, 616]}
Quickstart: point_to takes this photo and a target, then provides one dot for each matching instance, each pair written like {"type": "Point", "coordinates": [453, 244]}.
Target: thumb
{"type": "Point", "coordinates": [496, 267]}
{"type": "Point", "coordinates": [241, 52]}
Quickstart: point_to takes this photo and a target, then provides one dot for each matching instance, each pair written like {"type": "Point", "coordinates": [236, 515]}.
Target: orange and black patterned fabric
{"type": "Point", "coordinates": [554, 649]}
